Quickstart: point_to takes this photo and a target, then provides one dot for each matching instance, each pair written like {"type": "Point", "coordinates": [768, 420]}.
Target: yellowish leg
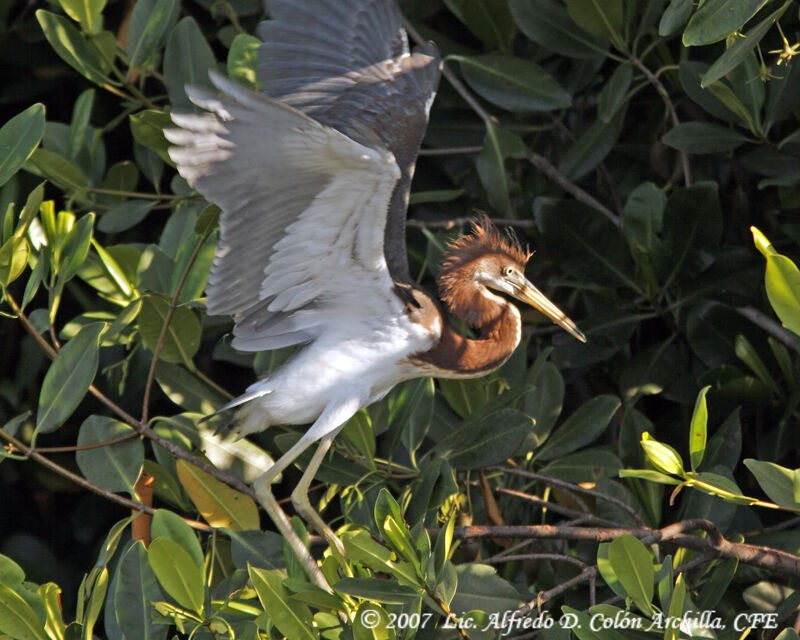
{"type": "Point", "coordinates": [300, 496]}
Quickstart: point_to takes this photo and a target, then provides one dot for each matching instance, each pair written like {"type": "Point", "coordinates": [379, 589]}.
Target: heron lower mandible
{"type": "Point", "coordinates": [312, 176]}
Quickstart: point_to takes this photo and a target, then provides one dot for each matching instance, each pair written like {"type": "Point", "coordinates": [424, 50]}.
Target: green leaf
{"type": "Point", "coordinates": [177, 573]}
{"type": "Point", "coordinates": [601, 18]}
{"type": "Point", "coordinates": [68, 378]}
{"type": "Point", "coordinates": [114, 467]}
{"type": "Point", "coordinates": [736, 53]}
{"type": "Point", "coordinates": [371, 622]}
{"type": "Point", "coordinates": [58, 169]}
{"type": "Point", "coordinates": [717, 585]}
{"type": "Point", "coordinates": [782, 280]}
{"type": "Point", "coordinates": [717, 19]}
{"type": "Point", "coordinates": [170, 525]}
{"type": "Point", "coordinates": [464, 396]}
{"type": "Point", "coordinates": [72, 47]}
{"type": "Point", "coordinates": [148, 127]}
{"type": "Point", "coordinates": [543, 403]}
{"type": "Point", "coordinates": [358, 430]}
{"type": "Point", "coordinates": [633, 567]}
{"type": "Point", "coordinates": [662, 456]}
{"type": "Point", "coordinates": [186, 390]}
{"type": "Point", "coordinates": [779, 483]}
{"type": "Point", "coordinates": [489, 20]}
{"type": "Point", "coordinates": [547, 23]}
{"type": "Point", "coordinates": [151, 21]}
{"type": "Point", "coordinates": [11, 574]}
{"type": "Point", "coordinates": [748, 354]}
{"type": "Point", "coordinates": [136, 588]}
{"type": "Point", "coordinates": [698, 429]}
{"type": "Point", "coordinates": [81, 113]}
{"type": "Point", "coordinates": [614, 94]}
{"type": "Point", "coordinates": [385, 591]}
{"type": "Point", "coordinates": [584, 466]}
{"type": "Point", "coordinates": [292, 619]}
{"type": "Point", "coordinates": [263, 549]}
{"type": "Point", "coordinates": [498, 145]}
{"type": "Point", "coordinates": [13, 259]}
{"type": "Point", "coordinates": [674, 17]}
{"type": "Point", "coordinates": [513, 83]}
{"type": "Point", "coordinates": [676, 606]}
{"type": "Point", "coordinates": [703, 137]}
{"type": "Point", "coordinates": [182, 339]}
{"type": "Point", "coordinates": [649, 475]}
{"type": "Point", "coordinates": [19, 137]}
{"type": "Point", "coordinates": [221, 505]}
{"type": "Point", "coordinates": [86, 12]}
{"type": "Point", "coordinates": [591, 147]}
{"type": "Point", "coordinates": [479, 587]}
{"type": "Point", "coordinates": [243, 60]}
{"type": "Point", "coordinates": [95, 604]}
{"type": "Point", "coordinates": [583, 427]}
{"type": "Point", "coordinates": [488, 441]}
{"type": "Point", "coordinates": [187, 60]}
{"type": "Point", "coordinates": [125, 215]}
{"type": "Point", "coordinates": [17, 618]}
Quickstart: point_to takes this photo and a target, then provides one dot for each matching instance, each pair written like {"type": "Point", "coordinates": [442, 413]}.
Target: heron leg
{"type": "Point", "coordinates": [300, 496]}
{"type": "Point", "coordinates": [278, 516]}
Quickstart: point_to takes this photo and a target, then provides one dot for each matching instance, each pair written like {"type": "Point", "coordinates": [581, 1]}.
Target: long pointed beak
{"type": "Point", "coordinates": [526, 292]}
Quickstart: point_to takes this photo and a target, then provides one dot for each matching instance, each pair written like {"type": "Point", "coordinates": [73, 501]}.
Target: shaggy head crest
{"type": "Point", "coordinates": [484, 245]}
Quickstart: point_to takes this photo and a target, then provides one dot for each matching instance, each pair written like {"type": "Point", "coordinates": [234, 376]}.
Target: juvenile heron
{"type": "Point", "coordinates": [312, 176]}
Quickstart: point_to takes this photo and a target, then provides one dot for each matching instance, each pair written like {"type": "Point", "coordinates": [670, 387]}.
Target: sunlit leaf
{"type": "Point", "coordinates": [243, 60]}
{"type": "Point", "coordinates": [177, 573]}
{"type": "Point", "coordinates": [717, 19]}
{"type": "Point", "coordinates": [220, 505]}
{"type": "Point", "coordinates": [182, 338]}
{"type": "Point", "coordinates": [633, 567]}
{"type": "Point", "coordinates": [698, 429]}
{"type": "Point", "coordinates": [17, 618]}
{"type": "Point", "coordinates": [779, 483]}
{"type": "Point", "coordinates": [291, 619]}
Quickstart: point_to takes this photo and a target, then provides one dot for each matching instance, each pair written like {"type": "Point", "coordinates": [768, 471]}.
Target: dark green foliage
{"type": "Point", "coordinates": [649, 151]}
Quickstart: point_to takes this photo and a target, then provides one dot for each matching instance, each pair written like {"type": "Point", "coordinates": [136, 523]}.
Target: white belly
{"type": "Point", "coordinates": [360, 359]}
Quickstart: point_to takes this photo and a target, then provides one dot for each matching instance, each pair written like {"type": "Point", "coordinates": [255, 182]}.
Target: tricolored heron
{"type": "Point", "coordinates": [312, 176]}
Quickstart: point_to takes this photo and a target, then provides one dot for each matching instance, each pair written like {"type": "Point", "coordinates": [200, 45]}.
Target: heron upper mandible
{"type": "Point", "coordinates": [312, 176]}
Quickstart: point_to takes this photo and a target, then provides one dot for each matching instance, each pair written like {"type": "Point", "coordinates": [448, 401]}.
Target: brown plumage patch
{"type": "Point", "coordinates": [484, 245]}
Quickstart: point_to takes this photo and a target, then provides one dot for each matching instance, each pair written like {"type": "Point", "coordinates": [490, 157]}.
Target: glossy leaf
{"type": "Point", "coordinates": [124, 216]}
{"type": "Point", "coordinates": [68, 378]}
{"type": "Point", "coordinates": [717, 19]}
{"type": "Point", "coordinates": [86, 12]}
{"type": "Point", "coordinates": [489, 20]}
{"type": "Point", "coordinates": [736, 53]}
{"type": "Point", "coordinates": [479, 587]}
{"type": "Point", "coordinates": [148, 127]}
{"type": "Point", "coordinates": [633, 567]}
{"type": "Point", "coordinates": [170, 525]}
{"type": "Point", "coordinates": [221, 505]}
{"type": "Point", "coordinates": [614, 94]}
{"type": "Point", "coordinates": [543, 403]}
{"type": "Point", "coordinates": [583, 427]}
{"type": "Point", "coordinates": [584, 466]}
{"type": "Point", "coordinates": [547, 23]}
{"type": "Point", "coordinates": [182, 339]}
{"type": "Point", "coordinates": [601, 19]}
{"type": "Point", "coordinates": [498, 145]}
{"type": "Point", "coordinates": [385, 591]}
{"type": "Point", "coordinates": [662, 456]}
{"type": "Point", "coordinates": [188, 391]}
{"type": "Point", "coordinates": [115, 467]}
{"type": "Point", "coordinates": [782, 485]}
{"type": "Point", "coordinates": [151, 21]}
{"type": "Point", "coordinates": [513, 83]}
{"type": "Point", "coordinates": [19, 137]}
{"type": "Point", "coordinates": [674, 17]}
{"type": "Point", "coordinates": [13, 259]}
{"type": "Point", "coordinates": [291, 619]}
{"type": "Point", "coordinates": [262, 549]}
{"type": "Point", "coordinates": [488, 441]}
{"type": "Point", "coordinates": [703, 137]}
{"type": "Point", "coordinates": [676, 607]}
{"type": "Point", "coordinates": [187, 60]}
{"type": "Point", "coordinates": [177, 573]}
{"type": "Point", "coordinates": [782, 280]}
{"type": "Point", "coordinates": [136, 589]}
{"type": "Point", "coordinates": [591, 147]}
{"type": "Point", "coordinates": [17, 619]}
{"type": "Point", "coordinates": [71, 46]}
{"type": "Point", "coordinates": [58, 170]}
{"type": "Point", "coordinates": [698, 429]}
{"type": "Point", "coordinates": [243, 60]}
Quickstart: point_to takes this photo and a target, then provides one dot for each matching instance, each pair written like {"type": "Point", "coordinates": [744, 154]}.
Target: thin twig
{"type": "Point", "coordinates": [574, 487]}
{"type": "Point", "coordinates": [549, 170]}
{"type": "Point", "coordinates": [673, 114]}
{"type": "Point", "coordinates": [450, 151]}
{"type": "Point", "coordinates": [86, 484]}
{"type": "Point", "coordinates": [173, 305]}
{"type": "Point", "coordinates": [446, 225]}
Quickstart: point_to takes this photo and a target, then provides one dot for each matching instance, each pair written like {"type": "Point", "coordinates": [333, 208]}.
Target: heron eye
{"type": "Point", "coordinates": [508, 271]}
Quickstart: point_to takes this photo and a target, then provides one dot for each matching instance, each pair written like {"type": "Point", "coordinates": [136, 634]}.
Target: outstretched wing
{"type": "Point", "coordinates": [303, 215]}
{"type": "Point", "coordinates": [347, 64]}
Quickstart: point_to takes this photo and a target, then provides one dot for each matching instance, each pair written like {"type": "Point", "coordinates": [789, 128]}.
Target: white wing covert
{"type": "Point", "coordinates": [304, 209]}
